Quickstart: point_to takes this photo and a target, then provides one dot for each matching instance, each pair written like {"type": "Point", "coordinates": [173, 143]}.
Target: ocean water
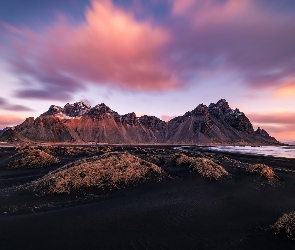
{"type": "Point", "coordinates": [276, 151]}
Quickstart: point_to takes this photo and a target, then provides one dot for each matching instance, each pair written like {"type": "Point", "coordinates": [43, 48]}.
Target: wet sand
{"type": "Point", "coordinates": [180, 212]}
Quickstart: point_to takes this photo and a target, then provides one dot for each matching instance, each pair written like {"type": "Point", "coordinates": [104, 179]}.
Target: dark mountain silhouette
{"type": "Point", "coordinates": [79, 122]}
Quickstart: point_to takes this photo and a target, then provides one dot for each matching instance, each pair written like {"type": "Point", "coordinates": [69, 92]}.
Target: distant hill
{"type": "Point", "coordinates": [79, 122]}
{"type": "Point", "coordinates": [12, 136]}
{"type": "Point", "coordinates": [3, 130]}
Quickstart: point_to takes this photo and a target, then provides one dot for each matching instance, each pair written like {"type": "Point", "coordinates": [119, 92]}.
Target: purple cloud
{"type": "Point", "coordinates": [2, 101]}
{"type": "Point", "coordinates": [241, 36]}
{"type": "Point", "coordinates": [17, 108]}
{"type": "Point", "coordinates": [4, 104]}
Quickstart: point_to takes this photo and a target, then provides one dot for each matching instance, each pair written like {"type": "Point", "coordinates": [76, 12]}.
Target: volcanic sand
{"type": "Point", "coordinates": [182, 211]}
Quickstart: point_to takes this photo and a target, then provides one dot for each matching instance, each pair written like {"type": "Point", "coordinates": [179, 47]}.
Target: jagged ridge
{"type": "Point", "coordinates": [79, 122]}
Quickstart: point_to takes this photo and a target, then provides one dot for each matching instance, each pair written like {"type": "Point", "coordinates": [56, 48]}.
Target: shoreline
{"type": "Point", "coordinates": [42, 143]}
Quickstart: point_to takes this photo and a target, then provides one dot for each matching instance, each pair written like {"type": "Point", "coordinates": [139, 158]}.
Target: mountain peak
{"type": "Point", "coordinates": [222, 101]}
{"type": "Point", "coordinates": [261, 132]}
{"type": "Point", "coordinates": [220, 108]}
{"type": "Point", "coordinates": [102, 108]}
{"type": "Point", "coordinates": [76, 109]}
{"type": "Point", "coordinates": [201, 109]}
{"type": "Point", "coordinates": [82, 104]}
{"type": "Point", "coordinates": [53, 110]}
{"type": "Point", "coordinates": [222, 104]}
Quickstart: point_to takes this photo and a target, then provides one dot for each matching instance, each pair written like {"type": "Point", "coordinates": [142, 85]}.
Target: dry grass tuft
{"type": "Point", "coordinates": [75, 151]}
{"type": "Point", "coordinates": [72, 151]}
{"type": "Point", "coordinates": [262, 170]}
{"type": "Point", "coordinates": [153, 158]}
{"type": "Point", "coordinates": [156, 156]}
{"type": "Point", "coordinates": [208, 169]}
{"type": "Point", "coordinates": [181, 159]}
{"type": "Point", "coordinates": [285, 224]}
{"type": "Point", "coordinates": [109, 171]}
{"type": "Point", "coordinates": [31, 158]}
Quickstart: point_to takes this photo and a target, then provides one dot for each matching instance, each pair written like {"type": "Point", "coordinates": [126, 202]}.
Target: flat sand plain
{"type": "Point", "coordinates": [182, 211]}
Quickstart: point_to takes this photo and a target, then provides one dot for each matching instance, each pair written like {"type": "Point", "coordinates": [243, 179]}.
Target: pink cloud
{"type": "Point", "coordinates": [5, 105]}
{"type": "Point", "coordinates": [111, 48]}
{"type": "Point", "coordinates": [280, 125]}
{"type": "Point", "coordinates": [250, 96]}
{"type": "Point", "coordinates": [287, 90]}
{"type": "Point", "coordinates": [7, 120]}
{"type": "Point", "coordinates": [281, 133]}
{"type": "Point", "coordinates": [220, 11]}
{"type": "Point", "coordinates": [181, 7]}
{"type": "Point", "coordinates": [286, 118]}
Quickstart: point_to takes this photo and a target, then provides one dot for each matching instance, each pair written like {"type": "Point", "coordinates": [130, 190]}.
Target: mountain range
{"type": "Point", "coordinates": [79, 122]}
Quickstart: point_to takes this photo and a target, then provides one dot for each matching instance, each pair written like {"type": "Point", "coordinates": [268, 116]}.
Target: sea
{"type": "Point", "coordinates": [275, 151]}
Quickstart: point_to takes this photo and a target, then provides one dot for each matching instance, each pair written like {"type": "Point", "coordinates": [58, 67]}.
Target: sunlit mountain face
{"type": "Point", "coordinates": [157, 58]}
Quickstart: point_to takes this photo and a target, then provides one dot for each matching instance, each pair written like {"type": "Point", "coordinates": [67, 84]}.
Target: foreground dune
{"type": "Point", "coordinates": [31, 158]}
{"type": "Point", "coordinates": [111, 170]}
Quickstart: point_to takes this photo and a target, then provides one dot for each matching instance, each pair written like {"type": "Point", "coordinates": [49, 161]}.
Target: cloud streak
{"type": "Point", "coordinates": [285, 118]}
{"type": "Point", "coordinates": [244, 37]}
{"type": "Point", "coordinates": [286, 91]}
{"type": "Point", "coordinates": [4, 104]}
{"type": "Point", "coordinates": [6, 121]}
{"type": "Point", "coordinates": [279, 125]}
{"type": "Point", "coordinates": [281, 133]}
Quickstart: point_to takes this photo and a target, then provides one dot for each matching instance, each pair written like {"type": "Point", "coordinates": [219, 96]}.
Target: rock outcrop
{"type": "Point", "coordinates": [79, 122]}
{"type": "Point", "coordinates": [232, 117]}
{"type": "Point", "coordinates": [264, 135]}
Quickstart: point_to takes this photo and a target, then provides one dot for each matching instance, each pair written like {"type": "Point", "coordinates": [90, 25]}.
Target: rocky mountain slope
{"type": "Point", "coordinates": [3, 130]}
{"type": "Point", "coordinates": [216, 123]}
{"type": "Point", "coordinates": [79, 122]}
{"type": "Point", "coordinates": [12, 136]}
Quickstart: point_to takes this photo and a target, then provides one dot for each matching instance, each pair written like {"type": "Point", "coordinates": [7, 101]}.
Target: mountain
{"type": "Point", "coordinates": [79, 122]}
{"type": "Point", "coordinates": [11, 136]}
{"type": "Point", "coordinates": [3, 130]}
{"type": "Point", "coordinates": [216, 123]}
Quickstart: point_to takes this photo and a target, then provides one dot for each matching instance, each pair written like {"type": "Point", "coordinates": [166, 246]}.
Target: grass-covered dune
{"type": "Point", "coordinates": [109, 171]}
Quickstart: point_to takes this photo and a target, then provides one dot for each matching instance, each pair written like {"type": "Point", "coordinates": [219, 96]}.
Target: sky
{"type": "Point", "coordinates": [157, 57]}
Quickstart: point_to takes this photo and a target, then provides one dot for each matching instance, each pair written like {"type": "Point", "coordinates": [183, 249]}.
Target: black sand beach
{"type": "Point", "coordinates": [182, 211]}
